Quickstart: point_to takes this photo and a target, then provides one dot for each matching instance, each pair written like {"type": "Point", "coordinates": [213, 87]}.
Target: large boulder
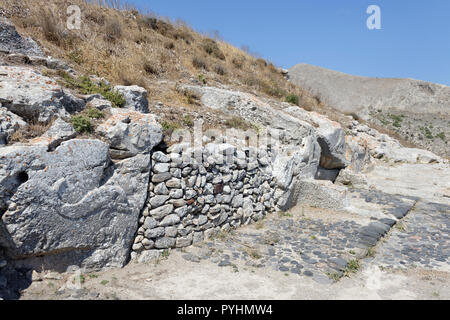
{"type": "Point", "coordinates": [330, 135]}
{"type": "Point", "coordinates": [135, 97]}
{"type": "Point", "coordinates": [12, 42]}
{"type": "Point", "coordinates": [321, 194]}
{"type": "Point", "coordinates": [129, 133]}
{"type": "Point", "coordinates": [72, 206]}
{"type": "Point", "coordinates": [33, 96]}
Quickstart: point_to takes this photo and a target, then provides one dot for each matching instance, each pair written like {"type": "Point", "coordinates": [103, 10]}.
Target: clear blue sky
{"type": "Point", "coordinates": [414, 41]}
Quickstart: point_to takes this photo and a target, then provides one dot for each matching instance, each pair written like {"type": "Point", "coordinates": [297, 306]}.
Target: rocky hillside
{"type": "Point", "coordinates": [416, 110]}
{"type": "Point", "coordinates": [130, 47]}
{"type": "Point", "coordinates": [95, 173]}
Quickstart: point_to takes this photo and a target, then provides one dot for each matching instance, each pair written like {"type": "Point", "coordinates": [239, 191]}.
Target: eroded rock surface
{"type": "Point", "coordinates": [72, 206]}
{"type": "Point", "coordinates": [135, 97]}
{"type": "Point", "coordinates": [129, 133]}
{"type": "Point", "coordinates": [12, 42]}
{"type": "Point", "coordinates": [35, 97]}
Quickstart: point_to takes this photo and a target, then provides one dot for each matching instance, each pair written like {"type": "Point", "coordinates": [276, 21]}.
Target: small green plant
{"type": "Point", "coordinates": [202, 78]}
{"type": "Point", "coordinates": [427, 132]}
{"type": "Point", "coordinates": [313, 237]}
{"type": "Point", "coordinates": [284, 214]}
{"type": "Point", "coordinates": [187, 120]}
{"type": "Point", "coordinates": [254, 254]}
{"type": "Point", "coordinates": [352, 267]}
{"type": "Point", "coordinates": [94, 113]}
{"type": "Point", "coordinates": [93, 276]}
{"type": "Point", "coordinates": [397, 120]}
{"type": "Point", "coordinates": [104, 282]}
{"type": "Point", "coordinates": [81, 124]}
{"type": "Point", "coordinates": [441, 136]}
{"type": "Point", "coordinates": [400, 227]}
{"type": "Point", "coordinates": [81, 278]}
{"type": "Point", "coordinates": [370, 252]}
{"type": "Point", "coordinates": [292, 98]}
{"type": "Point", "coordinates": [165, 254]}
{"type": "Point", "coordinates": [169, 126]}
{"type": "Point", "coordinates": [86, 86]}
{"type": "Point", "coordinates": [352, 252]}
{"type": "Point", "coordinates": [333, 276]}
{"type": "Point", "coordinates": [255, 127]}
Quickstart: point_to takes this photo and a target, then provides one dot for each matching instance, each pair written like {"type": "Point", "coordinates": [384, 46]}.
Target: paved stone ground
{"type": "Point", "coordinates": [297, 245]}
{"type": "Point", "coordinates": [421, 240]}
{"type": "Point", "coordinates": [305, 244]}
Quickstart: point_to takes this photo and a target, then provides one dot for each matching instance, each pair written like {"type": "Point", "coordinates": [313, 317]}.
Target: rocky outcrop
{"type": "Point", "coordinates": [33, 96]}
{"type": "Point", "coordinates": [72, 206]}
{"type": "Point", "coordinates": [381, 146]}
{"type": "Point", "coordinates": [287, 123]}
{"type": "Point", "coordinates": [135, 97]}
{"type": "Point", "coordinates": [59, 132]}
{"type": "Point", "coordinates": [129, 133]}
{"type": "Point", "coordinates": [9, 123]}
{"type": "Point", "coordinates": [12, 42]}
{"type": "Point", "coordinates": [330, 136]}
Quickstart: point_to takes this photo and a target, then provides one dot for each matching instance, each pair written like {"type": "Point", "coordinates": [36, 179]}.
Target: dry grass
{"type": "Point", "coordinates": [30, 131]}
{"type": "Point", "coordinates": [128, 47]}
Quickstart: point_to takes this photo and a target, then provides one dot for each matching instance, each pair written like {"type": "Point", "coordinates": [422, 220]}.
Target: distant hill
{"type": "Point", "coordinates": [417, 110]}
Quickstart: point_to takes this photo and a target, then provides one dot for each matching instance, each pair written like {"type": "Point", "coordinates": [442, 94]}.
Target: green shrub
{"type": "Point", "coordinates": [94, 113]}
{"type": "Point", "coordinates": [116, 98]}
{"type": "Point", "coordinates": [397, 120]}
{"type": "Point", "coordinates": [187, 120]}
{"type": "Point", "coordinates": [169, 126]}
{"type": "Point", "coordinates": [81, 124]}
{"type": "Point", "coordinates": [86, 86]}
{"type": "Point", "coordinates": [202, 78]}
{"type": "Point", "coordinates": [292, 98]}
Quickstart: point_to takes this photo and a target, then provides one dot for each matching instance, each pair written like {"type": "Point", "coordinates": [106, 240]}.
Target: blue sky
{"type": "Point", "coordinates": [414, 41]}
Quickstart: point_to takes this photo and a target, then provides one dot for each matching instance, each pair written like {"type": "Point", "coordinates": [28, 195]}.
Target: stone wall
{"type": "Point", "coordinates": [193, 197]}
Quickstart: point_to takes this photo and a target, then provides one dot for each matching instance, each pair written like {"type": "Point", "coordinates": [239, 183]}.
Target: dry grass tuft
{"type": "Point", "coordinates": [30, 131]}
